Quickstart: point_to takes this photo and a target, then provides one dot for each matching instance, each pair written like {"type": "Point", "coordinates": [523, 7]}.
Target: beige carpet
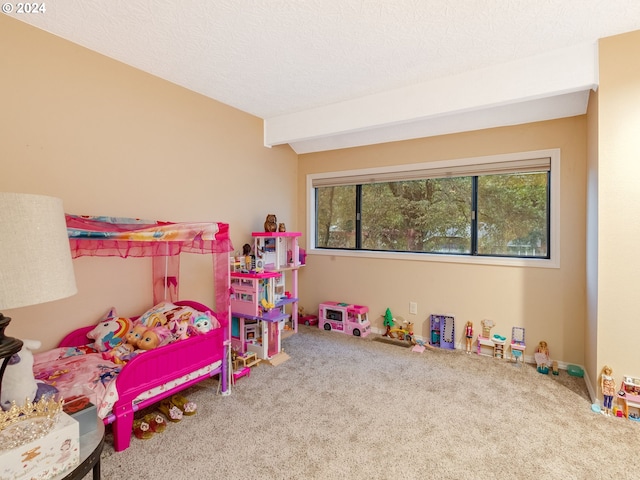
{"type": "Point", "coordinates": [351, 408]}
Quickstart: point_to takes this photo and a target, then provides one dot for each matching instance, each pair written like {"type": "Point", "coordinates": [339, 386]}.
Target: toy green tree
{"type": "Point", "coordinates": [388, 321]}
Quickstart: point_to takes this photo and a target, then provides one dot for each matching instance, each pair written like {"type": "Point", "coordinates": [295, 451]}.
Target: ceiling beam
{"type": "Point", "coordinates": [543, 87]}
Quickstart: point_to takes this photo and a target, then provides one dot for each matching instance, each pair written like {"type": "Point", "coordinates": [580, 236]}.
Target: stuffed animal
{"type": "Point", "coordinates": [205, 322]}
{"type": "Point", "coordinates": [19, 384]}
{"type": "Point", "coordinates": [109, 333]}
{"type": "Point", "coordinates": [271, 223]}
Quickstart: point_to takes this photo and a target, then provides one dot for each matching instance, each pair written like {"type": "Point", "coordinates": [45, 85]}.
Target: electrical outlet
{"type": "Point", "coordinates": [413, 308]}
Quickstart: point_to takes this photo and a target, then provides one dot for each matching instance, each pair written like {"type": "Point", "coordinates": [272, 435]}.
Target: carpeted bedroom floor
{"type": "Point", "coordinates": [352, 408]}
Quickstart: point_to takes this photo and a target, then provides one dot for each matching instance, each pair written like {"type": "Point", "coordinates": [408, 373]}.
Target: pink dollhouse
{"type": "Point", "coordinates": [258, 313]}
{"type": "Point", "coordinates": [279, 252]}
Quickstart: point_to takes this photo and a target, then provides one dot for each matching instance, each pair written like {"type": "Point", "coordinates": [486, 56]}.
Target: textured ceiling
{"type": "Point", "coordinates": [273, 58]}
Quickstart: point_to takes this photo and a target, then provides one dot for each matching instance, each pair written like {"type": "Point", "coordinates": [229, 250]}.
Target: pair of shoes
{"type": "Point", "coordinates": [142, 429]}
{"type": "Point", "coordinates": [156, 422]}
{"type": "Point", "coordinates": [169, 410]}
{"type": "Point", "coordinates": [188, 408]}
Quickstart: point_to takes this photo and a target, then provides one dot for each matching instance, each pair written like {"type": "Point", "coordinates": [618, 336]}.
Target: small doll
{"type": "Point", "coordinates": [153, 338]}
{"type": "Point", "coordinates": [468, 334]}
{"type": "Point", "coordinates": [246, 253]}
{"type": "Point", "coordinates": [543, 361]}
{"type": "Point", "coordinates": [608, 387]}
{"type": "Point", "coordinates": [135, 334]}
{"type": "Point", "coordinates": [120, 353]}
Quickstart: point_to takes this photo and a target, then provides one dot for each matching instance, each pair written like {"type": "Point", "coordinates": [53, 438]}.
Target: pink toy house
{"type": "Point", "coordinates": [258, 313]}
{"type": "Point", "coordinates": [279, 252]}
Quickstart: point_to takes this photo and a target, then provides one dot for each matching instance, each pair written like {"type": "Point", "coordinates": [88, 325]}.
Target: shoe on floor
{"type": "Point", "coordinates": [169, 410]}
{"type": "Point", "coordinates": [142, 430]}
{"type": "Point", "coordinates": [187, 407]}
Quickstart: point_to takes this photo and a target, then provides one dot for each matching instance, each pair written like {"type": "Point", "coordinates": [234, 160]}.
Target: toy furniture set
{"type": "Point", "coordinates": [494, 344]}
{"type": "Point", "coordinates": [123, 385]}
{"type": "Point", "coordinates": [629, 397]}
{"type": "Point", "coordinates": [442, 331]}
{"type": "Point", "coordinates": [518, 345]}
{"type": "Point", "coordinates": [259, 299]}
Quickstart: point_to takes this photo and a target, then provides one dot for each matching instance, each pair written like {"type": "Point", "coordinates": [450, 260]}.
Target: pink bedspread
{"type": "Point", "coordinates": [80, 371]}
{"type": "Point", "coordinates": [74, 372]}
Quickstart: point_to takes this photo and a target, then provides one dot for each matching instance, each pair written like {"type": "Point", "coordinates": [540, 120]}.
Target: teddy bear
{"type": "Point", "coordinates": [19, 384]}
{"type": "Point", "coordinates": [271, 223]}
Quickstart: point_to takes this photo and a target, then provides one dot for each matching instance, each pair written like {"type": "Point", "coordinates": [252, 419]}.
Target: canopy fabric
{"type": "Point", "coordinates": [131, 237]}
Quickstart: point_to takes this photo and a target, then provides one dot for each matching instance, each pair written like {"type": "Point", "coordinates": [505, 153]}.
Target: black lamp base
{"type": "Point", "coordinates": [8, 346]}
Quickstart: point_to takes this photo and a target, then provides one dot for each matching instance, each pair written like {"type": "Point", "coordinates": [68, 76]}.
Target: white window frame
{"type": "Point", "coordinates": [554, 212]}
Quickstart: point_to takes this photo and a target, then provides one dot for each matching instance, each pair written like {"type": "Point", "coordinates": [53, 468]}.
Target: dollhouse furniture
{"type": "Point", "coordinates": [631, 398]}
{"type": "Point", "coordinates": [242, 364]}
{"type": "Point", "coordinates": [517, 344]}
{"type": "Point", "coordinates": [485, 341]}
{"type": "Point", "coordinates": [498, 347]}
{"type": "Point", "coordinates": [247, 359]}
{"type": "Point", "coordinates": [156, 374]}
{"type": "Point", "coordinates": [442, 331]}
{"type": "Point", "coordinates": [279, 252]}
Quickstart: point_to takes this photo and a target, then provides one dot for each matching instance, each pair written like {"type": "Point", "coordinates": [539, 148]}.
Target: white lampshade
{"type": "Point", "coordinates": [35, 256]}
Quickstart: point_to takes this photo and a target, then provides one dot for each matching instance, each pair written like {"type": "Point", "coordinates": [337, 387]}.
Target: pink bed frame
{"type": "Point", "coordinates": [157, 367]}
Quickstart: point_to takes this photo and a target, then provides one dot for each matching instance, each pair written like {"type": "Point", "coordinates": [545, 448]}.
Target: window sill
{"type": "Point", "coordinates": [441, 258]}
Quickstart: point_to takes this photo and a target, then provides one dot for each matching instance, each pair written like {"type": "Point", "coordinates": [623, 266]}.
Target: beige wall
{"type": "Point", "coordinates": [111, 140]}
{"type": "Point", "coordinates": [549, 303]}
{"type": "Point", "coordinates": [618, 302]}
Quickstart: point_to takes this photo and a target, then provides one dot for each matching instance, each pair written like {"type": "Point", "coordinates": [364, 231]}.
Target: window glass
{"type": "Point", "coordinates": [431, 215]}
{"type": "Point", "coordinates": [336, 217]}
{"type": "Point", "coordinates": [501, 208]}
{"type": "Point", "coordinates": [513, 215]}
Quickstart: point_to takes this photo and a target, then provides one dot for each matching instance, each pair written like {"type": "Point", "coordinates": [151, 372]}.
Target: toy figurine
{"type": "Point", "coordinates": [468, 334]}
{"type": "Point", "coordinates": [608, 387]}
{"type": "Point", "coordinates": [543, 361]}
{"type": "Point", "coordinates": [388, 323]}
{"type": "Point", "coordinates": [282, 228]}
{"type": "Point", "coordinates": [246, 253]}
{"type": "Point", "coordinates": [271, 223]}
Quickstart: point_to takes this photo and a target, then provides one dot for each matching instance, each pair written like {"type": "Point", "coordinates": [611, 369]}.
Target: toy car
{"type": "Point", "coordinates": [308, 320]}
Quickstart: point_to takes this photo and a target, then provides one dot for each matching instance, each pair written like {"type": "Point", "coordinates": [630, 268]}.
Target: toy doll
{"type": "Point", "coordinates": [468, 334]}
{"type": "Point", "coordinates": [543, 361]}
{"type": "Point", "coordinates": [153, 338]}
{"type": "Point", "coordinates": [120, 353]}
{"type": "Point", "coordinates": [608, 387]}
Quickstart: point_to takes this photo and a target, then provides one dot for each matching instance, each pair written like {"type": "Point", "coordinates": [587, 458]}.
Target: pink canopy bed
{"type": "Point", "coordinates": [155, 374]}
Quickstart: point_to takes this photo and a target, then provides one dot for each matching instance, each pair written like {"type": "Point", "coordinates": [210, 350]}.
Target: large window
{"type": "Point", "coordinates": [498, 207]}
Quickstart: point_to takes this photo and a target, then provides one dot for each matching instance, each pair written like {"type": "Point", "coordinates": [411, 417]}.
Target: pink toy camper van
{"type": "Point", "coordinates": [345, 318]}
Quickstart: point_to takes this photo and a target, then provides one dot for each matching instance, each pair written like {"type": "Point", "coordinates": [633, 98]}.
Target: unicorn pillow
{"type": "Point", "coordinates": [110, 333]}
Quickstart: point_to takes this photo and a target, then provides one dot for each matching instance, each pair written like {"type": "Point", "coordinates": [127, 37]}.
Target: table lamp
{"type": "Point", "coordinates": [35, 259]}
